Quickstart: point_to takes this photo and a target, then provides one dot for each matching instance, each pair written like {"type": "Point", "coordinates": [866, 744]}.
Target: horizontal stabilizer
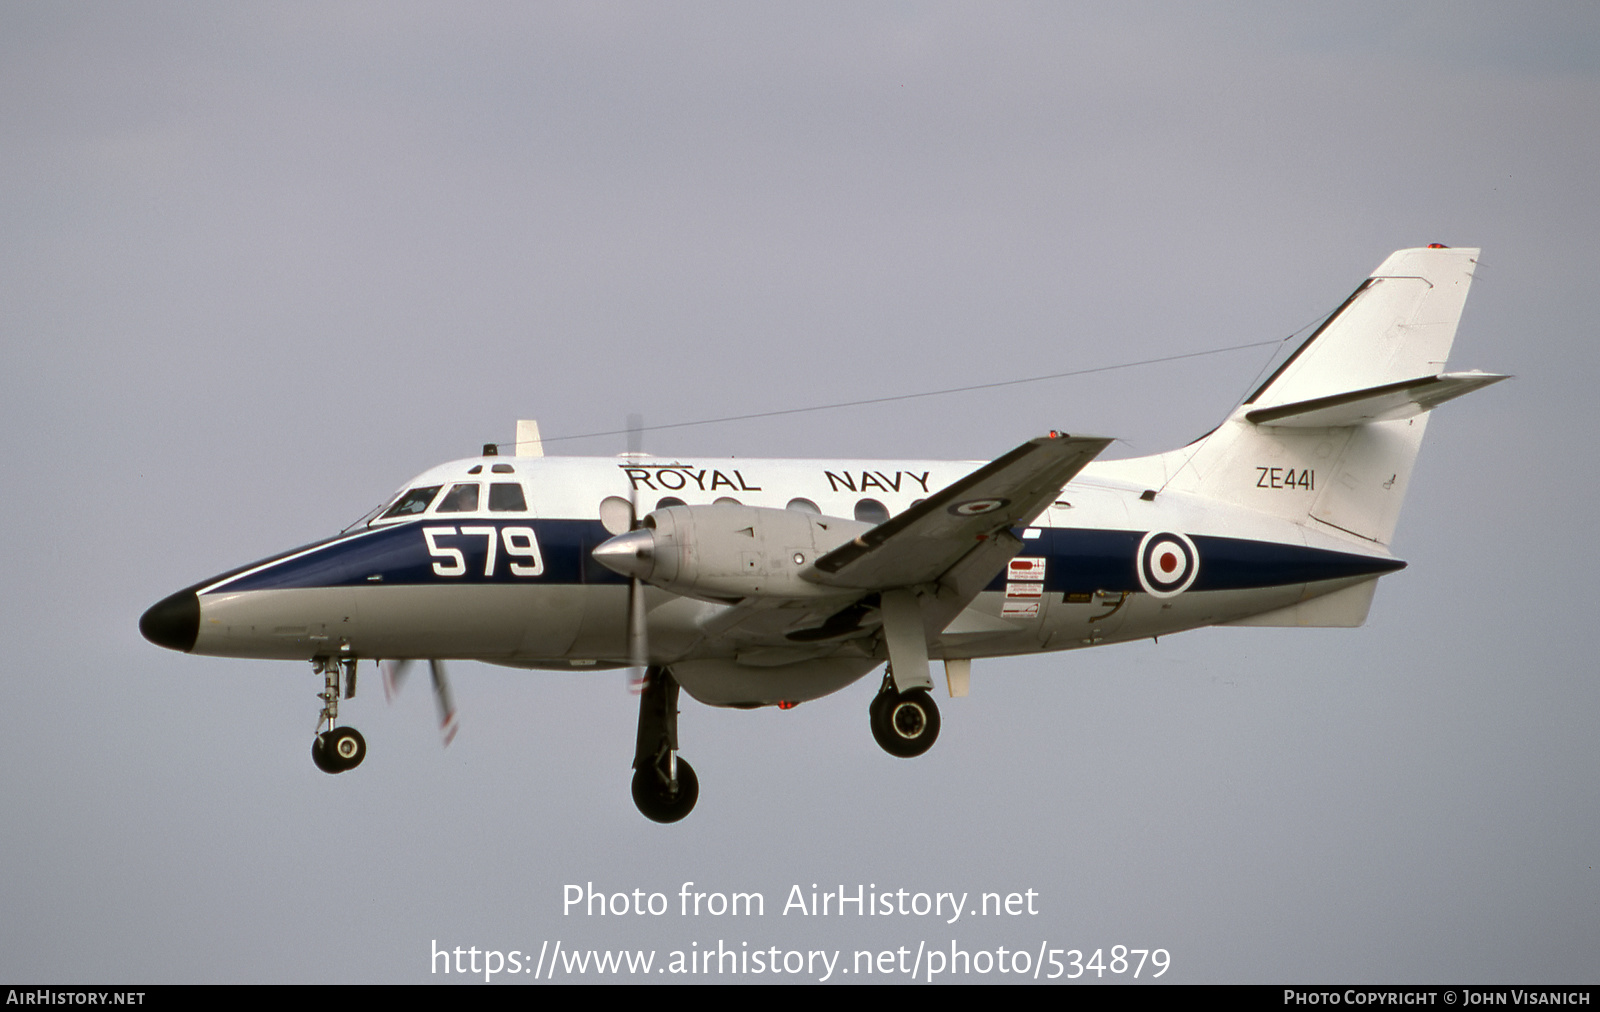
{"type": "Point", "coordinates": [1388, 402]}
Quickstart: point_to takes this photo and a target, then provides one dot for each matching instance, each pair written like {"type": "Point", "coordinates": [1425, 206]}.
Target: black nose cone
{"type": "Point", "coordinates": [173, 622]}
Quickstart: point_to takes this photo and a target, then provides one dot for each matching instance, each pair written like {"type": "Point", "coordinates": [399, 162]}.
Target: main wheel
{"type": "Point", "coordinates": [879, 711]}
{"type": "Point", "coordinates": [905, 724]}
{"type": "Point", "coordinates": [656, 802]}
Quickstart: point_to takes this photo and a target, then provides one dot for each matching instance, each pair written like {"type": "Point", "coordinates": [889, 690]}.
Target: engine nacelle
{"type": "Point", "coordinates": [728, 552]}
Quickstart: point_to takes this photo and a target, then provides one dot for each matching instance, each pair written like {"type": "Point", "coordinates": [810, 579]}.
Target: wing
{"type": "Point", "coordinates": [910, 576]}
{"type": "Point", "coordinates": [926, 541]}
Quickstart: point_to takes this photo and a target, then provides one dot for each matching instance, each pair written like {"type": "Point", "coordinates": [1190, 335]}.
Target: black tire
{"type": "Point", "coordinates": [878, 714]}
{"type": "Point", "coordinates": [345, 748]}
{"type": "Point", "coordinates": [879, 711]}
{"type": "Point", "coordinates": [321, 756]}
{"type": "Point", "coordinates": [656, 803]}
{"type": "Point", "coordinates": [905, 724]}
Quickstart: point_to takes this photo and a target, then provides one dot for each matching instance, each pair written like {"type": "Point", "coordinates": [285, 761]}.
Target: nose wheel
{"type": "Point", "coordinates": [905, 724]}
{"type": "Point", "coordinates": [338, 748]}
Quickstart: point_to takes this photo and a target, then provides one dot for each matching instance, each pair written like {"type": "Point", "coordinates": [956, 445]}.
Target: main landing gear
{"type": "Point", "coordinates": [664, 786]}
{"type": "Point", "coordinates": [338, 748]}
{"type": "Point", "coordinates": [906, 724]}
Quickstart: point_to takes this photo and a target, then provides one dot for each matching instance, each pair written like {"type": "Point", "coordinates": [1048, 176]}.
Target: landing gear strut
{"type": "Point", "coordinates": [338, 748]}
{"type": "Point", "coordinates": [664, 786]}
{"type": "Point", "coordinates": [906, 724]}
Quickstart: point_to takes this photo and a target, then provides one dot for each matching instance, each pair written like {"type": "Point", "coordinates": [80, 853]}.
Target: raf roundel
{"type": "Point", "coordinates": [978, 507]}
{"type": "Point", "coordinates": [1168, 564]}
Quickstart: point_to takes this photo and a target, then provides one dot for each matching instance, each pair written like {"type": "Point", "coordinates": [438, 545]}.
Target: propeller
{"type": "Point", "coordinates": [638, 636]}
{"type": "Point", "coordinates": [394, 675]}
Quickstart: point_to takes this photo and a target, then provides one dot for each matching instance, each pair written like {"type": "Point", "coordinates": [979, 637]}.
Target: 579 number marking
{"type": "Point", "coordinates": [521, 549]}
{"type": "Point", "coordinates": [1286, 477]}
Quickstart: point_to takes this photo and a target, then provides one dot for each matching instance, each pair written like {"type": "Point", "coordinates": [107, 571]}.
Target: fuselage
{"type": "Point", "coordinates": [490, 558]}
{"type": "Point", "coordinates": [747, 582]}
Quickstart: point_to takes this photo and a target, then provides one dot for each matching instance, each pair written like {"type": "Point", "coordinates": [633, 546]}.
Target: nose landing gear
{"type": "Point", "coordinates": [338, 748]}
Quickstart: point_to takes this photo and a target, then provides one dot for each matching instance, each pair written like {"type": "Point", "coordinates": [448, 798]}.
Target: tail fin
{"type": "Point", "coordinates": [1330, 438]}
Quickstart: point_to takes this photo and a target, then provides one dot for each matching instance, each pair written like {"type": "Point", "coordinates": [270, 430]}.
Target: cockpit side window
{"type": "Point", "coordinates": [460, 499]}
{"type": "Point", "coordinates": [413, 502]}
{"type": "Point", "coordinates": [507, 497]}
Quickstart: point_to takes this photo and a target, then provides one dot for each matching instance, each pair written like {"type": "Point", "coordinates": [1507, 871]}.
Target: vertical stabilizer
{"type": "Point", "coordinates": [1398, 325]}
{"type": "Point", "coordinates": [1330, 438]}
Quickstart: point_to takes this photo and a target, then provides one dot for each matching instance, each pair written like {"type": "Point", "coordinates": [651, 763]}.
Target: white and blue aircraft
{"type": "Point", "coordinates": [773, 582]}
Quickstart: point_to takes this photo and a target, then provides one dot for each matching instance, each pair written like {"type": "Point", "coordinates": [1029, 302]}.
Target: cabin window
{"type": "Point", "coordinates": [501, 469]}
{"type": "Point", "coordinates": [413, 502]}
{"type": "Point", "coordinates": [507, 497]}
{"type": "Point", "coordinates": [460, 499]}
{"type": "Point", "coordinates": [616, 514]}
{"type": "Point", "coordinates": [670, 500]}
{"type": "Point", "coordinates": [803, 506]}
{"type": "Point", "coordinates": [871, 511]}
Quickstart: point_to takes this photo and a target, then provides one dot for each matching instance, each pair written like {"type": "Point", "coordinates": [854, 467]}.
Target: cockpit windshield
{"type": "Point", "coordinates": [413, 502]}
{"type": "Point", "coordinates": [458, 497]}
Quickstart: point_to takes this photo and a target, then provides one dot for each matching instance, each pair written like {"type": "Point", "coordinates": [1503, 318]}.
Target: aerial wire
{"type": "Point", "coordinates": [927, 393]}
{"type": "Point", "coordinates": [633, 431]}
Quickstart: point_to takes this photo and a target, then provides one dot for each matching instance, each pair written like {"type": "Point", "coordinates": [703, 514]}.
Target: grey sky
{"type": "Point", "coordinates": [266, 262]}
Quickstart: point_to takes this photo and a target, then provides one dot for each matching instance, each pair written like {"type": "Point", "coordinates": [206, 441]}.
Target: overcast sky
{"type": "Point", "coordinates": [265, 262]}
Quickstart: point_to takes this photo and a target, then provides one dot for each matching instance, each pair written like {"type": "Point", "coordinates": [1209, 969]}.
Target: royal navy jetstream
{"type": "Point", "coordinates": [773, 582]}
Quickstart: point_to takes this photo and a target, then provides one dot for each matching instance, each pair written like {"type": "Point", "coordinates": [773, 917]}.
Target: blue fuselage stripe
{"type": "Point", "coordinates": [1079, 561]}
{"type": "Point", "coordinates": [1076, 560]}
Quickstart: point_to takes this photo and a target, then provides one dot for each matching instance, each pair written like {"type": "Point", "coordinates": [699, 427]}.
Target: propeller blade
{"type": "Point", "coordinates": [638, 644]}
{"type": "Point", "coordinates": [394, 676]}
{"type": "Point", "coordinates": [635, 433]}
{"type": "Point", "coordinates": [447, 707]}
